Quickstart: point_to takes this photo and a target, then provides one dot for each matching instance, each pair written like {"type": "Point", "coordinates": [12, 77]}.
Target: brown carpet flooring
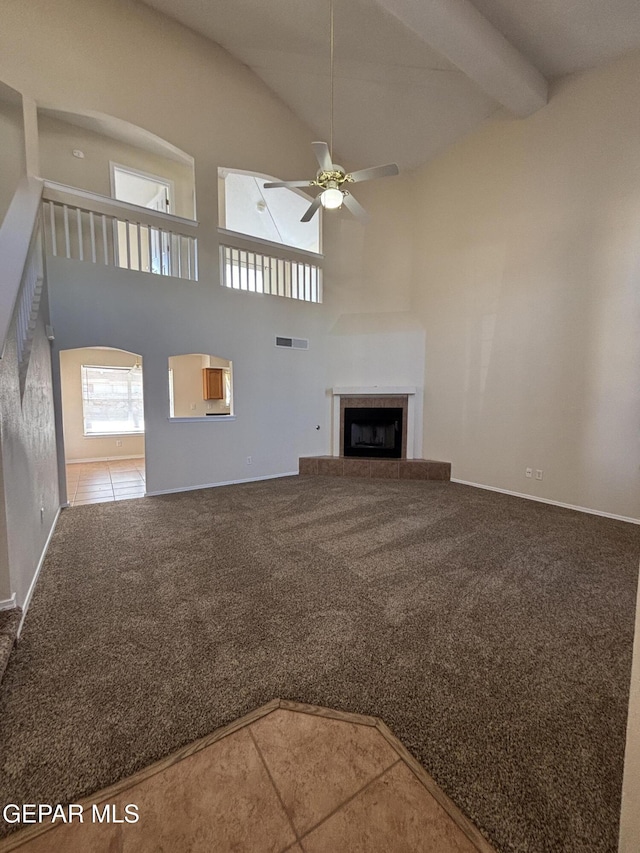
{"type": "Point", "coordinates": [492, 634]}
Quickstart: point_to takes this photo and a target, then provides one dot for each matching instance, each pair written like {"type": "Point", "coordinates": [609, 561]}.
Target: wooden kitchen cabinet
{"type": "Point", "coordinates": [212, 383]}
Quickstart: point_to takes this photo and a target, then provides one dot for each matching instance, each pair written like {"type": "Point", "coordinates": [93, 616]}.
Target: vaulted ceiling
{"type": "Point", "coordinates": [411, 78]}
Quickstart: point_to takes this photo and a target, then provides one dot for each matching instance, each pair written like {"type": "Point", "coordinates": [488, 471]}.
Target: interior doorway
{"type": "Point", "coordinates": [103, 424]}
{"type": "Point", "coordinates": [149, 250]}
{"type": "Point", "coordinates": [141, 188]}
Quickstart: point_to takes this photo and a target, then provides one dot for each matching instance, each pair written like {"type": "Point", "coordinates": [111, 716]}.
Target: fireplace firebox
{"type": "Point", "coordinates": [373, 432]}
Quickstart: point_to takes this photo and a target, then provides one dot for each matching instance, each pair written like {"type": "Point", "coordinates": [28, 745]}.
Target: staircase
{"type": "Point", "coordinates": [9, 622]}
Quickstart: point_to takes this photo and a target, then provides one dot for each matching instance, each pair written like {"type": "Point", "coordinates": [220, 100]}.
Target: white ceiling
{"type": "Point", "coordinates": [397, 98]}
{"type": "Point", "coordinates": [563, 36]}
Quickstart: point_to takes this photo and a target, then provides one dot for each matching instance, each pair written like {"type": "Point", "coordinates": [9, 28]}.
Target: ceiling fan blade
{"type": "Point", "coordinates": [321, 150]}
{"type": "Point", "coordinates": [315, 204]}
{"type": "Point", "coordinates": [375, 172]}
{"type": "Point", "coordinates": [272, 184]}
{"type": "Point", "coordinates": [356, 208]}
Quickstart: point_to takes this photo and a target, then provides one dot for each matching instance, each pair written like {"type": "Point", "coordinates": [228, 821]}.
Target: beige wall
{"type": "Point", "coordinates": [122, 58]}
{"type": "Point", "coordinates": [12, 164]}
{"type": "Point", "coordinates": [58, 140]}
{"type": "Point", "coordinates": [77, 445]}
{"type": "Point", "coordinates": [187, 385]}
{"type": "Point", "coordinates": [526, 273]}
{"type": "Point", "coordinates": [368, 268]}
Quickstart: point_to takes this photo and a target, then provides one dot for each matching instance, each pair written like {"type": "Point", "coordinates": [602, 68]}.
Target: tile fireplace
{"type": "Point", "coordinates": [382, 429]}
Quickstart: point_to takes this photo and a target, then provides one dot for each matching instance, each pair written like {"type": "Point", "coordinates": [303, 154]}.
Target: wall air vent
{"type": "Point", "coordinates": [292, 343]}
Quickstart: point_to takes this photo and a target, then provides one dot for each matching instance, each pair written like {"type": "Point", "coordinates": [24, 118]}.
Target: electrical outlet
{"type": "Point", "coordinates": [249, 460]}
{"type": "Point", "coordinates": [528, 472]}
{"type": "Point", "coordinates": [538, 473]}
{"type": "Point", "coordinates": [119, 443]}
{"type": "Point", "coordinates": [193, 407]}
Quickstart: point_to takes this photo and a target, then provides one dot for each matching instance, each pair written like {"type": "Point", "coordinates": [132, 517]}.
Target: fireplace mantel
{"type": "Point", "coordinates": [409, 391]}
{"type": "Point", "coordinates": [373, 390]}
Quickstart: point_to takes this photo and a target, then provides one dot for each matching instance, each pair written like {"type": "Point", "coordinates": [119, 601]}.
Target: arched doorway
{"type": "Point", "coordinates": [103, 424]}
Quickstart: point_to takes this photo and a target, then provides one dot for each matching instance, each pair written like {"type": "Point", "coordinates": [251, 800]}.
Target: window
{"type": "Point", "coordinates": [257, 272]}
{"type": "Point", "coordinates": [112, 400]}
{"type": "Point", "coordinates": [273, 215]}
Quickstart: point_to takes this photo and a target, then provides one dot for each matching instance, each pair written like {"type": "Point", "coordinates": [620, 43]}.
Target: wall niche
{"type": "Point", "coordinates": [200, 386]}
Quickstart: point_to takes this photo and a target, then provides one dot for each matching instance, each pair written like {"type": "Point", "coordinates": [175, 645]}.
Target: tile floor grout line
{"type": "Point", "coordinates": [275, 787]}
{"type": "Point", "coordinates": [348, 800]}
{"type": "Point", "coordinates": [84, 491]}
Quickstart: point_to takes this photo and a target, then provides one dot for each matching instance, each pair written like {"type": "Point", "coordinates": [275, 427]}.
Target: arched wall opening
{"type": "Point", "coordinates": [114, 158]}
{"type": "Point", "coordinates": [103, 424]}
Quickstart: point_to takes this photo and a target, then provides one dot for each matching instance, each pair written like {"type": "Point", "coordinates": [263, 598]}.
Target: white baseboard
{"type": "Point", "coordinates": [548, 501]}
{"type": "Point", "coordinates": [8, 603]}
{"type": "Point", "coordinates": [100, 459]}
{"type": "Point", "coordinates": [215, 485]}
{"type": "Point", "coordinates": [27, 600]}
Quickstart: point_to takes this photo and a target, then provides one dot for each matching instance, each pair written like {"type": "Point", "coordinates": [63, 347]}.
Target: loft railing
{"type": "Point", "coordinates": [85, 226]}
{"type": "Point", "coordinates": [20, 266]}
{"type": "Point", "coordinates": [28, 304]}
{"type": "Point", "coordinates": [261, 266]}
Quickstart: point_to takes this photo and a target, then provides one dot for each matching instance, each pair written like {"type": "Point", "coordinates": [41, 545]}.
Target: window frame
{"type": "Point", "coordinates": [139, 173]}
{"type": "Point", "coordinates": [84, 385]}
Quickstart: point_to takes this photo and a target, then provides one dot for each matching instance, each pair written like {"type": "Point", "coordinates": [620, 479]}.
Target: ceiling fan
{"type": "Point", "coordinates": [331, 177]}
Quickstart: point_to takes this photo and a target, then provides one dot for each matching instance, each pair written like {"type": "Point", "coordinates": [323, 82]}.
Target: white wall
{"type": "Point", "coordinates": [526, 277]}
{"type": "Point", "coordinates": [279, 395]}
{"type": "Point", "coordinates": [377, 349]}
{"type": "Point", "coordinates": [58, 139]}
{"type": "Point", "coordinates": [77, 445]}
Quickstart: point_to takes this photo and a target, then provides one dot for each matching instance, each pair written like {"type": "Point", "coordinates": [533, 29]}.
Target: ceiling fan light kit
{"type": "Point", "coordinates": [330, 177]}
{"type": "Point", "coordinates": [331, 198]}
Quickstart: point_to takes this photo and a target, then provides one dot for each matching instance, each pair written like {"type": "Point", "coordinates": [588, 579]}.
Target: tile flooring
{"type": "Point", "coordinates": [97, 482]}
{"type": "Point", "coordinates": [278, 780]}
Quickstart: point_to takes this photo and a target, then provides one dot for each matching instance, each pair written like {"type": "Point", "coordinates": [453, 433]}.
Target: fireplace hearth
{"type": "Point", "coordinates": [373, 432]}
